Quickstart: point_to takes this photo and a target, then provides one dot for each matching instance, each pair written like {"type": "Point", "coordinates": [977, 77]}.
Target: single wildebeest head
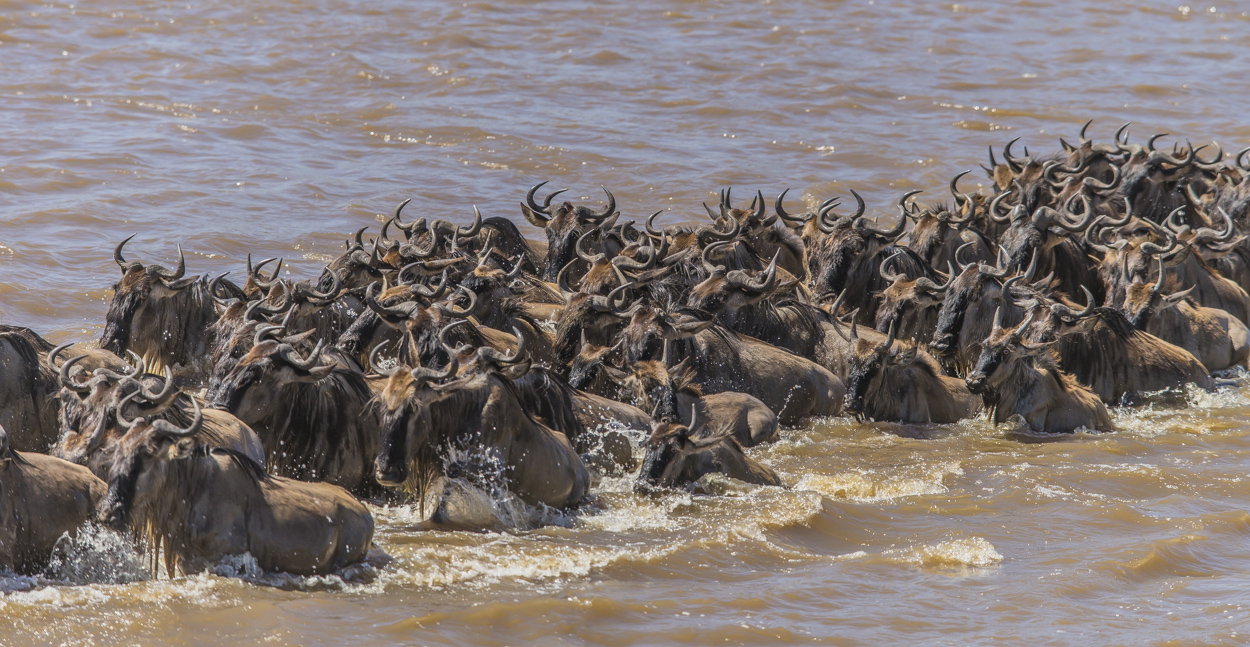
{"type": "Point", "coordinates": [161, 315]}
{"type": "Point", "coordinates": [676, 457]}
{"type": "Point", "coordinates": [1143, 300]}
{"type": "Point", "coordinates": [564, 224]}
{"type": "Point", "coordinates": [867, 361]}
{"type": "Point", "coordinates": [999, 352]}
{"type": "Point", "coordinates": [910, 305]}
{"type": "Point", "coordinates": [141, 466]}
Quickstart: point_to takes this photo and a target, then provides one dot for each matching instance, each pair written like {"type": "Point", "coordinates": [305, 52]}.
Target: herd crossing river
{"type": "Point", "coordinates": [280, 129]}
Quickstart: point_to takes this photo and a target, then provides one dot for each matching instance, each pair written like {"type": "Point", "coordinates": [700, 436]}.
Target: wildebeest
{"type": "Point", "coordinates": [1022, 380]}
{"type": "Point", "coordinates": [315, 418]}
{"type": "Point", "coordinates": [722, 360]}
{"type": "Point", "coordinates": [163, 316]}
{"type": "Point", "coordinates": [1102, 350]}
{"type": "Point", "coordinates": [474, 426]}
{"type": "Point", "coordinates": [202, 504]}
{"type": "Point", "coordinates": [41, 499]}
{"type": "Point", "coordinates": [1218, 339]}
{"type": "Point", "coordinates": [673, 394]}
{"type": "Point", "coordinates": [903, 383]}
{"type": "Point", "coordinates": [564, 224]}
{"type": "Point", "coordinates": [677, 457]}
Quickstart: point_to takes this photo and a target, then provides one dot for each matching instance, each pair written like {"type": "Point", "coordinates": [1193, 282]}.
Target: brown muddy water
{"type": "Point", "coordinates": [278, 127]}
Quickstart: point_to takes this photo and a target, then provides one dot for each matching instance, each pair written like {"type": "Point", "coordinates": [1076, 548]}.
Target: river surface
{"type": "Point", "coordinates": [277, 128]}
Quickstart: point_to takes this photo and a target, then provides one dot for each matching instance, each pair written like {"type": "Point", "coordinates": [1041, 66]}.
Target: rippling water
{"type": "Point", "coordinates": [278, 127]}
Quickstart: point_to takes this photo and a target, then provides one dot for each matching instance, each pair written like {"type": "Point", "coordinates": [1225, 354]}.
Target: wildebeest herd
{"type": "Point", "coordinates": [217, 418]}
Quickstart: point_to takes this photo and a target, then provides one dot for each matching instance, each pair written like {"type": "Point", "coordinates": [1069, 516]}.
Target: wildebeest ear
{"type": "Point", "coordinates": [182, 448]}
{"type": "Point", "coordinates": [905, 356]}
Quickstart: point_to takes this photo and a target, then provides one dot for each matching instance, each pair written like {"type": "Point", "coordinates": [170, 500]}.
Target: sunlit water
{"type": "Point", "coordinates": [277, 128]}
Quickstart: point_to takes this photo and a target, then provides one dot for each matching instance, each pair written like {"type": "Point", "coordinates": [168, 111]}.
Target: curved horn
{"type": "Point", "coordinates": [962, 265]}
{"type": "Point", "coordinates": [291, 356]}
{"type": "Point", "coordinates": [162, 398]}
{"type": "Point", "coordinates": [431, 293]}
{"type": "Point", "coordinates": [119, 259]}
{"type": "Point", "coordinates": [323, 298]}
{"type": "Point", "coordinates": [926, 284]}
{"type": "Point", "coordinates": [253, 272]}
{"type": "Point", "coordinates": [462, 312]}
{"type": "Point", "coordinates": [562, 282]}
{"type": "Point", "coordinates": [994, 208]}
{"type": "Point", "coordinates": [707, 263]}
{"type": "Point", "coordinates": [373, 361]}
{"type": "Point", "coordinates": [66, 380]}
{"type": "Point", "coordinates": [1082, 136]}
{"type": "Point", "coordinates": [422, 375]}
{"type": "Point", "coordinates": [473, 229]}
{"type": "Point", "coordinates": [1064, 311]}
{"type": "Point", "coordinates": [178, 272]}
{"type": "Point", "coordinates": [586, 256]}
{"type": "Point", "coordinates": [650, 225]}
{"type": "Point", "coordinates": [608, 210]}
{"type": "Point", "coordinates": [768, 281]}
{"type": "Point", "coordinates": [955, 189]}
{"type": "Point", "coordinates": [781, 211]}
{"type": "Point", "coordinates": [883, 269]}
{"type": "Point", "coordinates": [1014, 165]}
{"type": "Point", "coordinates": [391, 315]}
{"type": "Point", "coordinates": [406, 227]}
{"type": "Point", "coordinates": [453, 351]}
{"type": "Point", "coordinates": [544, 210]}
{"type": "Point", "coordinates": [168, 429]}
{"type": "Point", "coordinates": [490, 354]}
{"type": "Point", "coordinates": [1205, 234]}
{"type": "Point", "coordinates": [212, 292]}
{"type": "Point", "coordinates": [734, 229]}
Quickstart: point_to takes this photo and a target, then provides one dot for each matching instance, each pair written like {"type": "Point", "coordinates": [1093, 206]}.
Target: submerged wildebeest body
{"type": "Point", "coordinates": [675, 395]}
{"type": "Point", "coordinates": [1019, 380]}
{"type": "Point", "coordinates": [1218, 339]}
{"type": "Point", "coordinates": [722, 360]}
{"type": "Point", "coordinates": [903, 383]}
{"type": "Point", "coordinates": [481, 416]}
{"type": "Point", "coordinates": [41, 499]}
{"type": "Point", "coordinates": [203, 504]}
{"type": "Point", "coordinates": [676, 456]}
{"type": "Point", "coordinates": [1102, 350]}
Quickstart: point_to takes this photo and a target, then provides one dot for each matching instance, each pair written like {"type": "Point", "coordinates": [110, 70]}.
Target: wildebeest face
{"type": "Point", "coordinates": [966, 288]}
{"type": "Point", "coordinates": [663, 448]}
{"type": "Point", "coordinates": [141, 464]}
{"type": "Point", "coordinates": [140, 290]}
{"type": "Point", "coordinates": [903, 297]}
{"type": "Point", "coordinates": [407, 425]}
{"type": "Point", "coordinates": [865, 364]}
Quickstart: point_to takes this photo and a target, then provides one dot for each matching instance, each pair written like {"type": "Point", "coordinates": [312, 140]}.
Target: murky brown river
{"type": "Point", "coordinates": [278, 127]}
